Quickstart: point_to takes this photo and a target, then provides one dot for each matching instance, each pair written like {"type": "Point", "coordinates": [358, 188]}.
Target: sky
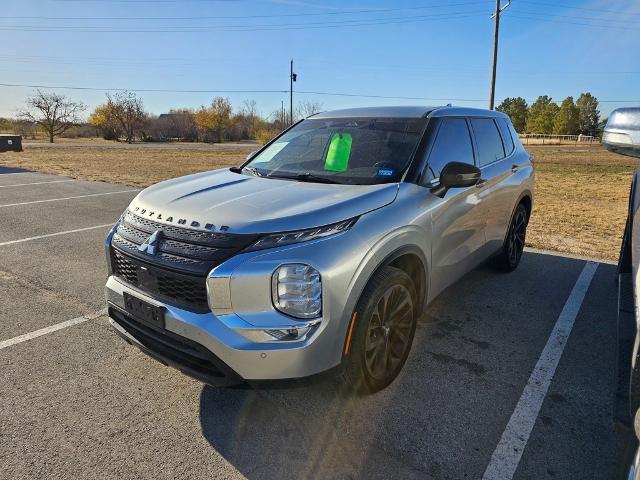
{"type": "Point", "coordinates": [425, 52]}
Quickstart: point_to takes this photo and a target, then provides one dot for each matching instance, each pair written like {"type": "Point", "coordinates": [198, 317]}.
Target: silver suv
{"type": "Point", "coordinates": [322, 250]}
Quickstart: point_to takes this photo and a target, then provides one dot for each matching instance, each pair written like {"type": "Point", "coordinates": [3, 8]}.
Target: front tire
{"type": "Point", "coordinates": [385, 324]}
{"type": "Point", "coordinates": [509, 257]}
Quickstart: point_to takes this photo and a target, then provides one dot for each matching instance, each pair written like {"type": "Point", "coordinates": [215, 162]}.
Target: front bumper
{"type": "Point", "coordinates": [214, 351]}
{"type": "Point", "coordinates": [235, 329]}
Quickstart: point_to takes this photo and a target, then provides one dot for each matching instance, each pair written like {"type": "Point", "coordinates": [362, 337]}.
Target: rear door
{"type": "Point", "coordinates": [495, 151]}
{"type": "Point", "coordinates": [457, 219]}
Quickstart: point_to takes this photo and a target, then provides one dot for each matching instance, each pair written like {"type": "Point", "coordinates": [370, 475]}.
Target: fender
{"type": "Point", "coordinates": [384, 252]}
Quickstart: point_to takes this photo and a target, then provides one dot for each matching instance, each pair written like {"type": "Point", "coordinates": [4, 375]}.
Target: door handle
{"type": "Point", "coordinates": [481, 183]}
{"type": "Point", "coordinates": [515, 168]}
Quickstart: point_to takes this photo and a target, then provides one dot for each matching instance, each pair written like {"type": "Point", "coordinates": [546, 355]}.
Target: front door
{"type": "Point", "coordinates": [458, 220]}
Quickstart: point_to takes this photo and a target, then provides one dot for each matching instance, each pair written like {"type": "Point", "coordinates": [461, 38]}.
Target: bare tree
{"type": "Point", "coordinates": [54, 112]}
{"type": "Point", "coordinates": [128, 110]}
{"type": "Point", "coordinates": [249, 110]}
{"type": "Point", "coordinates": [308, 107]}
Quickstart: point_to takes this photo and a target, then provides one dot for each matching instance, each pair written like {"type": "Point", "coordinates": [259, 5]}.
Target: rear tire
{"type": "Point", "coordinates": [509, 257]}
{"type": "Point", "coordinates": [385, 324]}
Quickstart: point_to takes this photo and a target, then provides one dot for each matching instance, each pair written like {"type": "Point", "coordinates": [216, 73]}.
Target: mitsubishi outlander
{"type": "Point", "coordinates": [321, 251]}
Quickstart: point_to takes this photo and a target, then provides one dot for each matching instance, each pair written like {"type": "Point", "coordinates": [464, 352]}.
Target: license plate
{"type": "Point", "coordinates": [144, 311]}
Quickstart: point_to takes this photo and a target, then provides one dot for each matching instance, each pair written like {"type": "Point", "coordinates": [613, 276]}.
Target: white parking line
{"type": "Point", "coordinates": [507, 455]}
{"type": "Point", "coordinates": [51, 329]}
{"type": "Point", "coordinates": [66, 198]}
{"type": "Point", "coordinates": [35, 183]}
{"type": "Point", "coordinates": [11, 242]}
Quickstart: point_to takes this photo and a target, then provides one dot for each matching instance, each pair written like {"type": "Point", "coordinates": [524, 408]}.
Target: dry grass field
{"type": "Point", "coordinates": [581, 191]}
{"type": "Point", "coordinates": [138, 164]}
{"type": "Point", "coordinates": [581, 200]}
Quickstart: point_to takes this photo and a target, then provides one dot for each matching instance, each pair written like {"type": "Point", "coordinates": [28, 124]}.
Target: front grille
{"type": "Point", "coordinates": [177, 271]}
{"type": "Point", "coordinates": [188, 291]}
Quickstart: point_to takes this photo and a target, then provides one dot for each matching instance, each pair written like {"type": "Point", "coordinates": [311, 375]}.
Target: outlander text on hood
{"type": "Point", "coordinates": [323, 249]}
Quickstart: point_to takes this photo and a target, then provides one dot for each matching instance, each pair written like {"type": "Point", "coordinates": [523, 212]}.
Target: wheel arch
{"type": "Point", "coordinates": [525, 198]}
{"type": "Point", "coordinates": [410, 259]}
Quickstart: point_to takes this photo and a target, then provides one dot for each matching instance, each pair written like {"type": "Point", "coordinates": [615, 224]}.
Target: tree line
{"type": "Point", "coordinates": [123, 117]}
{"type": "Point", "coordinates": [547, 117]}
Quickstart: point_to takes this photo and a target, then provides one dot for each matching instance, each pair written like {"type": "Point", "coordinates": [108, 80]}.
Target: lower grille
{"type": "Point", "coordinates": [188, 356]}
{"type": "Point", "coordinates": [181, 290]}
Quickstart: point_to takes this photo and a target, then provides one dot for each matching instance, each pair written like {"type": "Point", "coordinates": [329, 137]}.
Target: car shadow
{"type": "Point", "coordinates": [5, 170]}
{"type": "Point", "coordinates": [441, 418]}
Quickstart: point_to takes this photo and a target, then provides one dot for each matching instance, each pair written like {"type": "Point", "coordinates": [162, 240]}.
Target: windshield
{"type": "Point", "coordinates": [357, 151]}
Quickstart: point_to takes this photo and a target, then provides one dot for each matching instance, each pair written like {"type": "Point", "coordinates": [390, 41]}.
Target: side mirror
{"type": "Point", "coordinates": [251, 155]}
{"type": "Point", "coordinates": [622, 132]}
{"type": "Point", "coordinates": [456, 175]}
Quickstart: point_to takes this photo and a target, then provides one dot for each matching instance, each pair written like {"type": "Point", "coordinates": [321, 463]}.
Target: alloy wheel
{"type": "Point", "coordinates": [515, 243]}
{"type": "Point", "coordinates": [389, 333]}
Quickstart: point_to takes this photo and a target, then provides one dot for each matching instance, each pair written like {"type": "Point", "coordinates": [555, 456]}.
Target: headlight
{"type": "Point", "coordinates": [288, 238]}
{"type": "Point", "coordinates": [297, 290]}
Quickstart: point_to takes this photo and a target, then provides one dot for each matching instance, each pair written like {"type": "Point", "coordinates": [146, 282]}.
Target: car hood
{"type": "Point", "coordinates": [221, 200]}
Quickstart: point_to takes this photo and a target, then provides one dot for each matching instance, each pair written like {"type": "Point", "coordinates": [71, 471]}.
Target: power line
{"type": "Point", "coordinates": [144, 90]}
{"type": "Point", "coordinates": [285, 26]}
{"type": "Point", "coordinates": [304, 92]}
{"type": "Point", "coordinates": [314, 25]}
{"type": "Point", "coordinates": [171, 90]}
{"type": "Point", "coordinates": [574, 7]}
{"type": "Point", "coordinates": [282, 15]}
{"type": "Point", "coordinates": [242, 28]}
{"type": "Point", "coordinates": [611, 26]}
{"type": "Point", "coordinates": [578, 17]}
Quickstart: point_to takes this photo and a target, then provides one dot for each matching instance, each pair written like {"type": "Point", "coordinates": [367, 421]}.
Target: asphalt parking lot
{"type": "Point", "coordinates": [78, 402]}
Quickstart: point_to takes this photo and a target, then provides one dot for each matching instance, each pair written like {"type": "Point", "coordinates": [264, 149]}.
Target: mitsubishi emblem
{"type": "Point", "coordinates": [150, 245]}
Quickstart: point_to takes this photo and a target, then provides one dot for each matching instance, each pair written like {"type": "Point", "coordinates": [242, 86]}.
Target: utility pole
{"type": "Point", "coordinates": [282, 114]}
{"type": "Point", "coordinates": [292, 78]}
{"type": "Point", "coordinates": [496, 31]}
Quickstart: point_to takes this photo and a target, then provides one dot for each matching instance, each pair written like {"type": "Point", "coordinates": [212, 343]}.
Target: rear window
{"type": "Point", "coordinates": [488, 140]}
{"type": "Point", "coordinates": [503, 123]}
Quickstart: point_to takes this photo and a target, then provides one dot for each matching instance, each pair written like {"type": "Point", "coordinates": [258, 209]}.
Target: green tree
{"type": "Point", "coordinates": [589, 114]}
{"type": "Point", "coordinates": [542, 114]}
{"type": "Point", "coordinates": [518, 111]}
{"type": "Point", "coordinates": [568, 118]}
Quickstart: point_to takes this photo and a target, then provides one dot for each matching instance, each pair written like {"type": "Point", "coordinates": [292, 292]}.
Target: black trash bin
{"type": "Point", "coordinates": [10, 143]}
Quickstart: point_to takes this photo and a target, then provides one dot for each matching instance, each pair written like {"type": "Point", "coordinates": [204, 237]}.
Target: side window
{"type": "Point", "coordinates": [488, 140]}
{"type": "Point", "coordinates": [452, 144]}
{"type": "Point", "coordinates": [503, 123]}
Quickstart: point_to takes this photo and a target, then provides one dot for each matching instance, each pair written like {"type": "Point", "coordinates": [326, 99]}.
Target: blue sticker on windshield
{"type": "Point", "coordinates": [385, 172]}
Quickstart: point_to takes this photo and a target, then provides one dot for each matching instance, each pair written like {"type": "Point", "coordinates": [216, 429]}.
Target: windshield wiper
{"type": "Point", "coordinates": [253, 171]}
{"type": "Point", "coordinates": [306, 177]}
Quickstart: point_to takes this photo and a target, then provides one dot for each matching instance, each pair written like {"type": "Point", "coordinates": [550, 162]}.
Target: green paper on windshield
{"type": "Point", "coordinates": [339, 152]}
